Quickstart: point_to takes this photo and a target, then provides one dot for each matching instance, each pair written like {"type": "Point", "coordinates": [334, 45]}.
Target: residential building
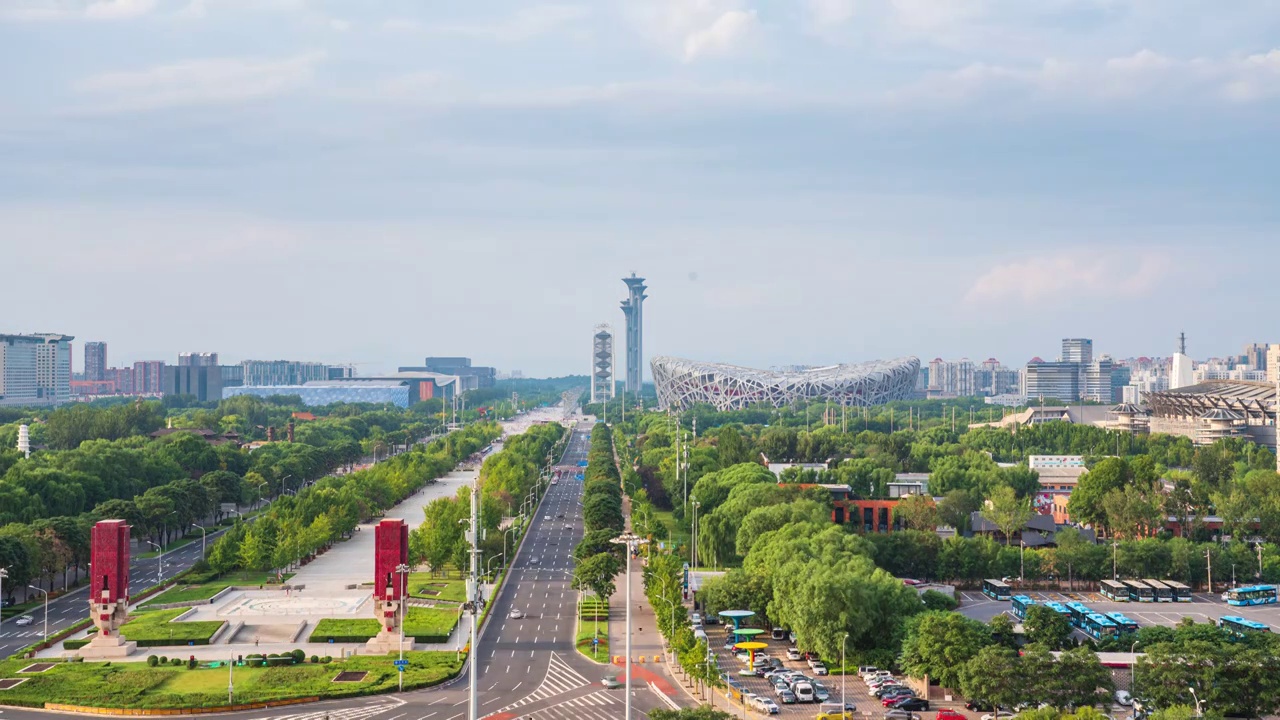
{"type": "Point", "coordinates": [148, 377]}
{"type": "Point", "coordinates": [53, 367]}
{"type": "Point", "coordinates": [232, 375]}
{"type": "Point", "coordinates": [269, 373]}
{"type": "Point", "coordinates": [86, 388]}
{"type": "Point", "coordinates": [992, 378]}
{"type": "Point", "coordinates": [951, 379]}
{"type": "Point", "coordinates": [1095, 383]}
{"type": "Point", "coordinates": [905, 484]}
{"type": "Point", "coordinates": [1273, 363]}
{"type": "Point", "coordinates": [123, 380]}
{"type": "Point", "coordinates": [199, 359]}
{"type": "Point", "coordinates": [95, 361]}
{"type": "Point", "coordinates": [1255, 355]}
{"type": "Point", "coordinates": [203, 382]}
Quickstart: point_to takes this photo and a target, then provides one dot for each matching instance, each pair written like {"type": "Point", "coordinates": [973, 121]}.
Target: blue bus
{"type": "Point", "coordinates": [1123, 624]}
{"type": "Point", "coordinates": [996, 589]}
{"type": "Point", "coordinates": [1020, 604]}
{"type": "Point", "coordinates": [1115, 591]}
{"type": "Point", "coordinates": [1140, 591]}
{"type": "Point", "coordinates": [1059, 608]}
{"type": "Point", "coordinates": [1099, 626]}
{"type": "Point", "coordinates": [1163, 592]}
{"type": "Point", "coordinates": [1252, 595]}
{"type": "Point", "coordinates": [1181, 593]}
{"type": "Point", "coordinates": [1240, 627]}
{"type": "Point", "coordinates": [1079, 611]}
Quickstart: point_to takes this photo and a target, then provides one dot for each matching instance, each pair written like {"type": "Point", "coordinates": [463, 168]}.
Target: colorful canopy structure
{"type": "Point", "coordinates": [751, 647]}
{"type": "Point", "coordinates": [736, 616]}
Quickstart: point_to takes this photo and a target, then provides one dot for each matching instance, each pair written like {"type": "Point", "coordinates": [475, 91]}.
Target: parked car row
{"type": "Point", "coordinates": [890, 692]}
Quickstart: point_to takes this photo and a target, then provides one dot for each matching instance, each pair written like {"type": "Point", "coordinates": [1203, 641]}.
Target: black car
{"type": "Point", "coordinates": [912, 704]}
{"type": "Point", "coordinates": [7, 602]}
{"type": "Point", "coordinates": [979, 706]}
{"type": "Point", "coordinates": [889, 690]}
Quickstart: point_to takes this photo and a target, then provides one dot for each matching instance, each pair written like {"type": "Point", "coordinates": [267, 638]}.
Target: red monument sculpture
{"type": "Point", "coordinates": [109, 589]}
{"type": "Point", "coordinates": [391, 555]}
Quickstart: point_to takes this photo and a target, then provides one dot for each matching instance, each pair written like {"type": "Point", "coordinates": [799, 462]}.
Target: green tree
{"type": "Point", "coordinates": [1085, 504]}
{"type": "Point", "coordinates": [704, 712]}
{"type": "Point", "coordinates": [596, 574]}
{"type": "Point", "coordinates": [994, 675]}
{"type": "Point", "coordinates": [917, 512]}
{"type": "Point", "coordinates": [1007, 511]}
{"type": "Point", "coordinates": [731, 447]}
{"type": "Point", "coordinates": [939, 644]}
{"type": "Point", "coordinates": [1080, 680]}
{"type": "Point", "coordinates": [1001, 629]}
{"type": "Point", "coordinates": [255, 551]}
{"type": "Point", "coordinates": [956, 508]}
{"type": "Point", "coordinates": [1046, 627]}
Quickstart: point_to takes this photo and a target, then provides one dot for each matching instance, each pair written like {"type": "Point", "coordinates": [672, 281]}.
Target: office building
{"type": "Point", "coordinates": [1180, 372]}
{"type": "Point", "coordinates": [1255, 355]}
{"type": "Point", "coordinates": [199, 359]}
{"type": "Point", "coordinates": [1120, 377]}
{"type": "Point", "coordinates": [203, 382]}
{"type": "Point", "coordinates": [1096, 381]}
{"type": "Point", "coordinates": [35, 369]}
{"type": "Point", "coordinates": [398, 392]}
{"type": "Point", "coordinates": [602, 364]}
{"type": "Point", "coordinates": [282, 372]}
{"type": "Point", "coordinates": [472, 377]}
{"type": "Point", "coordinates": [148, 377]}
{"type": "Point", "coordinates": [1077, 350]}
{"type": "Point", "coordinates": [1273, 363]}
{"type": "Point", "coordinates": [232, 375]}
{"type": "Point", "coordinates": [633, 311]}
{"type": "Point", "coordinates": [341, 372]}
{"type": "Point", "coordinates": [95, 361]}
{"type": "Point", "coordinates": [1051, 380]}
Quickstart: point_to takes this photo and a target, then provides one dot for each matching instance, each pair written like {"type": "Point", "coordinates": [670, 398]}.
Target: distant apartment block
{"type": "Point", "coordinates": [148, 377]}
{"type": "Point", "coordinates": [282, 372]}
{"type": "Point", "coordinates": [1075, 377]}
{"type": "Point", "coordinates": [95, 361]}
{"type": "Point", "coordinates": [203, 382]}
{"type": "Point", "coordinates": [198, 359]}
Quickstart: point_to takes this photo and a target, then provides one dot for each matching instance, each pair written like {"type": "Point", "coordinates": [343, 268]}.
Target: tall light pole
{"type": "Point", "coordinates": [160, 565]}
{"type": "Point", "coordinates": [693, 500]}
{"type": "Point", "coordinates": [1199, 713]}
{"type": "Point", "coordinates": [1133, 671]}
{"type": "Point", "coordinates": [1208, 559]}
{"type": "Point", "coordinates": [631, 541]}
{"type": "Point", "coordinates": [46, 610]}
{"type": "Point", "coordinates": [1022, 565]}
{"type": "Point", "coordinates": [231, 678]}
{"type": "Point", "coordinates": [1258, 547]}
{"type": "Point", "coordinates": [844, 672]}
{"type": "Point", "coordinates": [203, 536]}
{"type": "Point", "coordinates": [475, 603]}
{"type": "Point", "coordinates": [404, 575]}
{"type": "Point", "coordinates": [4, 573]}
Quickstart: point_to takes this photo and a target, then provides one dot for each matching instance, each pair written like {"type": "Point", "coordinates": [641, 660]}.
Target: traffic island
{"type": "Point", "coordinates": [591, 642]}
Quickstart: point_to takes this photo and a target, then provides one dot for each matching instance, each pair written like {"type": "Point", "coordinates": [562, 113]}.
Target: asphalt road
{"type": "Point", "coordinates": [529, 668]}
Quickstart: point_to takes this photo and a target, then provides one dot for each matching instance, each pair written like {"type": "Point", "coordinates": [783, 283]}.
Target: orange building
{"type": "Point", "coordinates": [866, 515]}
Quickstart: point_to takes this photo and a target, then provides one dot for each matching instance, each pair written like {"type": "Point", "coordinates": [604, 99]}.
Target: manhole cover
{"type": "Point", "coordinates": [11, 683]}
{"type": "Point", "coordinates": [36, 668]}
{"type": "Point", "coordinates": [351, 676]}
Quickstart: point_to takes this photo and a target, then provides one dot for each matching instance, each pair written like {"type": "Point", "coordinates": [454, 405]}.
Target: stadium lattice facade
{"type": "Point", "coordinates": [683, 383]}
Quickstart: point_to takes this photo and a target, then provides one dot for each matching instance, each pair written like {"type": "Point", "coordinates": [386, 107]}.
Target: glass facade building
{"type": "Point", "coordinates": [316, 394]}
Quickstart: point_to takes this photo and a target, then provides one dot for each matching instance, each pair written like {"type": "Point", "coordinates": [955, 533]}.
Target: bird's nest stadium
{"type": "Point", "coordinates": [683, 383]}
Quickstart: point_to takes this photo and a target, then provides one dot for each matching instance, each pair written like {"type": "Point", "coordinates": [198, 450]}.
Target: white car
{"type": "Point", "coordinates": [999, 715]}
{"type": "Point", "coordinates": [1124, 698]}
{"type": "Point", "coordinates": [696, 618]}
{"type": "Point", "coordinates": [793, 654]}
{"type": "Point", "coordinates": [24, 620]}
{"type": "Point", "coordinates": [515, 614]}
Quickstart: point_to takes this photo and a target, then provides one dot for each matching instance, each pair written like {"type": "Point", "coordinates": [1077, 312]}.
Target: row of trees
{"type": "Point", "coordinates": [597, 560]}
{"type": "Point", "coordinates": [300, 525]}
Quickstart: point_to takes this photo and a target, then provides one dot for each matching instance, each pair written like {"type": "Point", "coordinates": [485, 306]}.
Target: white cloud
{"type": "Point", "coordinates": [524, 24]}
{"type": "Point", "coordinates": [1144, 75]}
{"type": "Point", "coordinates": [823, 14]}
{"type": "Point", "coordinates": [74, 9]}
{"type": "Point", "coordinates": [339, 25]}
{"type": "Point", "coordinates": [693, 29]}
{"type": "Point", "coordinates": [1097, 273]}
{"type": "Point", "coordinates": [200, 82]}
{"type": "Point", "coordinates": [112, 9]}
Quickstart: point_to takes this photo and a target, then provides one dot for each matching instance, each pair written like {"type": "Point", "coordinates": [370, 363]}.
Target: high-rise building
{"type": "Point", "coordinates": [282, 372]}
{"type": "Point", "coordinates": [1096, 383]}
{"type": "Point", "coordinates": [602, 387]}
{"type": "Point", "coordinates": [1273, 363]}
{"type": "Point", "coordinates": [951, 379]}
{"type": "Point", "coordinates": [1255, 355]}
{"type": "Point", "coordinates": [148, 377]}
{"type": "Point", "coordinates": [35, 369]}
{"type": "Point", "coordinates": [633, 310]}
{"type": "Point", "coordinates": [95, 361]}
{"type": "Point", "coordinates": [1057, 380]}
{"type": "Point", "coordinates": [1077, 350]}
{"type": "Point", "coordinates": [991, 378]}
{"type": "Point", "coordinates": [198, 359]}
{"type": "Point", "coordinates": [1181, 372]}
{"type": "Point", "coordinates": [204, 382]}
{"type": "Point", "coordinates": [232, 375]}
{"type": "Point", "coordinates": [123, 379]}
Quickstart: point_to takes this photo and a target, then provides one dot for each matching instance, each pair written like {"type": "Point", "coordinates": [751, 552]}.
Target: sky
{"type": "Point", "coordinates": [801, 182]}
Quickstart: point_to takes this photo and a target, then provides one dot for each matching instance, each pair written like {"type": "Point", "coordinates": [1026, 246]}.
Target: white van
{"type": "Point", "coordinates": [700, 634]}
{"type": "Point", "coordinates": [696, 619]}
{"type": "Point", "coordinates": [803, 691]}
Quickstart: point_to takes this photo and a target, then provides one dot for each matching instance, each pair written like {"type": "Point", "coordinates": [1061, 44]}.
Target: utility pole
{"type": "Point", "coordinates": [1208, 559]}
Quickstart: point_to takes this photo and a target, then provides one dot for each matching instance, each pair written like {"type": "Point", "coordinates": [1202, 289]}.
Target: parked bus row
{"type": "Point", "coordinates": [1103, 625]}
{"type": "Point", "coordinates": [1157, 591]}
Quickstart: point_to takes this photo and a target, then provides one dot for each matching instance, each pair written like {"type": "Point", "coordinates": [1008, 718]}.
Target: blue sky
{"type": "Point", "coordinates": [808, 181]}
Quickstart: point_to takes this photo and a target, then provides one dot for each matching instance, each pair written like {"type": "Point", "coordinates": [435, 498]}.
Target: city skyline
{"type": "Point", "coordinates": [859, 180]}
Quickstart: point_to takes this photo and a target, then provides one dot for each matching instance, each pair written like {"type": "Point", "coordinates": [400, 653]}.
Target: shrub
{"type": "Point", "coordinates": [315, 659]}
{"type": "Point", "coordinates": [298, 655]}
{"type": "Point", "coordinates": [164, 660]}
{"type": "Point", "coordinates": [176, 662]}
{"type": "Point", "coordinates": [326, 660]}
{"type": "Point", "coordinates": [153, 661]}
{"type": "Point", "coordinates": [934, 600]}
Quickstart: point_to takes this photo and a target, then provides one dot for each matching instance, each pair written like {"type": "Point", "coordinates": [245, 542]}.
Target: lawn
{"type": "Point", "coordinates": [587, 629]}
{"type": "Point", "coordinates": [154, 628]}
{"type": "Point", "coordinates": [591, 608]}
{"type": "Point", "coordinates": [134, 685]}
{"type": "Point", "coordinates": [423, 624]}
{"type": "Point", "coordinates": [420, 583]}
{"type": "Point", "coordinates": [676, 535]}
{"type": "Point", "coordinates": [206, 590]}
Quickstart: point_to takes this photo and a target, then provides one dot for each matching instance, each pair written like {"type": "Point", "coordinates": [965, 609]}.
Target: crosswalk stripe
{"type": "Point", "coordinates": [560, 679]}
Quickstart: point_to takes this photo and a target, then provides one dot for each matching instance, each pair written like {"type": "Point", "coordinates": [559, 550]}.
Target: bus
{"type": "Point", "coordinates": [1020, 604]}
{"type": "Point", "coordinates": [1079, 611]}
{"type": "Point", "coordinates": [1181, 593]}
{"type": "Point", "coordinates": [1252, 595]}
{"type": "Point", "coordinates": [1115, 591]}
{"type": "Point", "coordinates": [1240, 627]}
{"type": "Point", "coordinates": [1163, 592]}
{"type": "Point", "coordinates": [996, 589]}
{"type": "Point", "coordinates": [1059, 608]}
{"type": "Point", "coordinates": [1140, 591]}
{"type": "Point", "coordinates": [1123, 624]}
{"type": "Point", "coordinates": [1099, 626]}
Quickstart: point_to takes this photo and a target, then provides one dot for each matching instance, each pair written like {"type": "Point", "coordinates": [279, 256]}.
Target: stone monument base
{"type": "Point", "coordinates": [387, 642]}
{"type": "Point", "coordinates": [107, 648]}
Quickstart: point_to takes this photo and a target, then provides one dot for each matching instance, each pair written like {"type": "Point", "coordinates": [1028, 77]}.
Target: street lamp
{"type": "Point", "coordinates": [404, 575]}
{"type": "Point", "coordinates": [46, 610]}
{"type": "Point", "coordinates": [487, 566]}
{"type": "Point", "coordinates": [4, 573]}
{"type": "Point", "coordinates": [843, 670]}
{"type": "Point", "coordinates": [203, 536]}
{"type": "Point", "coordinates": [160, 565]}
{"type": "Point", "coordinates": [1022, 566]}
{"type": "Point", "coordinates": [1199, 713]}
{"type": "Point", "coordinates": [631, 541]}
{"type": "Point", "coordinates": [693, 500]}
{"type": "Point", "coordinates": [505, 533]}
{"type": "Point", "coordinates": [1133, 671]}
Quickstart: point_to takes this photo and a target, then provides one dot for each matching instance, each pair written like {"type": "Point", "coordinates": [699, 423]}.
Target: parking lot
{"type": "Point", "coordinates": [1203, 608]}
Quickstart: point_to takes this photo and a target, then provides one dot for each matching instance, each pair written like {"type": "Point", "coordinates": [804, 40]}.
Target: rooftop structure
{"type": "Point", "coordinates": [683, 383]}
{"type": "Point", "coordinates": [1216, 408]}
{"type": "Point", "coordinates": [602, 384]}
